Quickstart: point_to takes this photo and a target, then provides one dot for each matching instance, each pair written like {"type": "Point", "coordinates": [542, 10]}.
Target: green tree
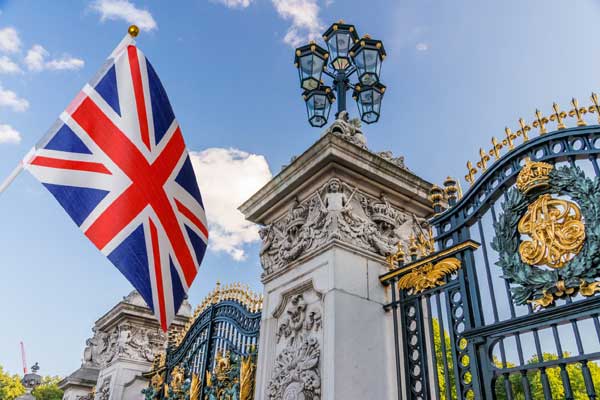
{"type": "Point", "coordinates": [441, 366]}
{"type": "Point", "coordinates": [534, 377]}
{"type": "Point", "coordinates": [48, 389]}
{"type": "Point", "coordinates": [555, 382]}
{"type": "Point", "coordinates": [10, 386]}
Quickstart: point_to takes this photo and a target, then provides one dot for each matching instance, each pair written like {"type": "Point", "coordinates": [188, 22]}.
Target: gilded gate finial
{"type": "Point", "coordinates": [596, 107]}
{"type": "Point", "coordinates": [509, 138]}
{"type": "Point", "coordinates": [558, 116]}
{"type": "Point", "coordinates": [524, 129]}
{"type": "Point", "coordinates": [540, 122]}
{"type": "Point", "coordinates": [577, 112]}
{"type": "Point", "coordinates": [471, 171]}
{"type": "Point", "coordinates": [482, 163]}
{"type": "Point", "coordinates": [496, 147]}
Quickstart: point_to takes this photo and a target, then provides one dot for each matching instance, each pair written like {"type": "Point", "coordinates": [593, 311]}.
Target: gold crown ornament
{"type": "Point", "coordinates": [534, 175]}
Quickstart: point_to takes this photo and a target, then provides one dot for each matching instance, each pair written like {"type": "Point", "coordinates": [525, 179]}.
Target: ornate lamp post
{"type": "Point", "coordinates": [348, 54]}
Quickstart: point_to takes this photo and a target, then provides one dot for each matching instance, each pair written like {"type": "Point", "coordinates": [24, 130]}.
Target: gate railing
{"type": "Point", "coordinates": [214, 356]}
{"type": "Point", "coordinates": [500, 301]}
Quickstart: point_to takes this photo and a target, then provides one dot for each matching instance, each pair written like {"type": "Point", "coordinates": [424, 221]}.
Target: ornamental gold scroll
{"type": "Point", "coordinates": [556, 229]}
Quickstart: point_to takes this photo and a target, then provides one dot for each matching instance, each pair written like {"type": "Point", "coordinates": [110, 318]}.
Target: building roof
{"type": "Point", "coordinates": [84, 376]}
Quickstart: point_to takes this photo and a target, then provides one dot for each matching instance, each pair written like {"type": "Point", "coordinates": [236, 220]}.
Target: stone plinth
{"type": "Point", "coordinates": [122, 349]}
{"type": "Point", "coordinates": [330, 218]}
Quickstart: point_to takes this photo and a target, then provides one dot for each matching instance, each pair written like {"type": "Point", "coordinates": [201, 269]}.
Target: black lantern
{"type": "Point", "coordinates": [367, 55]}
{"type": "Point", "coordinates": [318, 103]}
{"type": "Point", "coordinates": [339, 38]}
{"type": "Point", "coordinates": [368, 98]}
{"type": "Point", "coordinates": [347, 55]}
{"type": "Point", "coordinates": [310, 61]}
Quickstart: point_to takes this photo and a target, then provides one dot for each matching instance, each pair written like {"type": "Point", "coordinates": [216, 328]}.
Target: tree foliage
{"type": "Point", "coordinates": [48, 389]}
{"type": "Point", "coordinates": [10, 386]}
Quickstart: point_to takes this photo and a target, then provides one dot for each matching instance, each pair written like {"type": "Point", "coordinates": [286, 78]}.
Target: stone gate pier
{"type": "Point", "coordinates": [329, 220]}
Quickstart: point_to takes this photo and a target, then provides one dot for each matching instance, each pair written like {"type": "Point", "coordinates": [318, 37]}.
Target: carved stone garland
{"type": "Point", "coordinates": [296, 373]}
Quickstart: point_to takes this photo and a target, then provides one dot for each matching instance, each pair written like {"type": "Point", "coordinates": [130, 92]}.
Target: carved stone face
{"type": "Point", "coordinates": [385, 227]}
{"type": "Point", "coordinates": [292, 233]}
{"type": "Point", "coordinates": [334, 187]}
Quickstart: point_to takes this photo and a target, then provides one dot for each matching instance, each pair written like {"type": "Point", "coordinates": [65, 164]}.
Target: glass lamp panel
{"type": "Point", "coordinates": [317, 66]}
{"type": "Point", "coordinates": [320, 103]}
{"type": "Point", "coordinates": [366, 98]}
{"type": "Point", "coordinates": [344, 43]}
{"type": "Point", "coordinates": [371, 58]}
{"type": "Point", "coordinates": [376, 101]}
{"type": "Point", "coordinates": [359, 61]}
{"type": "Point", "coordinates": [306, 65]}
{"type": "Point", "coordinates": [370, 117]}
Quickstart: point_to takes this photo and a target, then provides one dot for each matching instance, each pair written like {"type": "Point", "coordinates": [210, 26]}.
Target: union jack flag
{"type": "Point", "coordinates": [116, 162]}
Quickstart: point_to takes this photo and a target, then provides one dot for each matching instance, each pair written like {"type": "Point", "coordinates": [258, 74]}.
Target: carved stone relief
{"type": "Point", "coordinates": [296, 371]}
{"type": "Point", "coordinates": [124, 340]}
{"type": "Point", "coordinates": [348, 129]}
{"type": "Point", "coordinates": [335, 211]}
{"type": "Point", "coordinates": [389, 156]}
{"type": "Point", "coordinates": [103, 392]}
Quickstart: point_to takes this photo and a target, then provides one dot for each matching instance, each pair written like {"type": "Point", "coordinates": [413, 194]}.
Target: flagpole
{"type": "Point", "coordinates": [129, 39]}
{"type": "Point", "coordinates": [11, 177]}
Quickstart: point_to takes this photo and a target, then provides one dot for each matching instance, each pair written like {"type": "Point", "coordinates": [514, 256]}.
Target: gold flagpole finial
{"type": "Point", "coordinates": [133, 30]}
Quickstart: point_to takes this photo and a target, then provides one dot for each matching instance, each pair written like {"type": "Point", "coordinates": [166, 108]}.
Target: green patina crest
{"type": "Point", "coordinates": [542, 286]}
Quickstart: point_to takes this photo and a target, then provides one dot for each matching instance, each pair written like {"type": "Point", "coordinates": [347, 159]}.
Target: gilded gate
{"type": "Point", "coordinates": [214, 357]}
{"type": "Point", "coordinates": [499, 300]}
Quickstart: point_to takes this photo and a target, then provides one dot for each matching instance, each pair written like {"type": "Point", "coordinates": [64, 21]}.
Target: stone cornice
{"type": "Point", "coordinates": [329, 151]}
{"type": "Point", "coordinates": [125, 310]}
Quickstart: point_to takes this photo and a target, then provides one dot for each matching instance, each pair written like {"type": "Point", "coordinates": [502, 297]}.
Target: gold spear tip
{"type": "Point", "coordinates": [133, 30]}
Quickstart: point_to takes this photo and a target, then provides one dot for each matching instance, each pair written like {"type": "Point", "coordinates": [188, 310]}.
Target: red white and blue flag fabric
{"type": "Point", "coordinates": [117, 163]}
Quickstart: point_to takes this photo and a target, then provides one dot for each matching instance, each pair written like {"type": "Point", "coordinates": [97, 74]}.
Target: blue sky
{"type": "Point", "coordinates": [457, 73]}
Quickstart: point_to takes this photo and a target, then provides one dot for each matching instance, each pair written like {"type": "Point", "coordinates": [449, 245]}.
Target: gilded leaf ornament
{"type": "Point", "coordinates": [195, 388]}
{"type": "Point", "coordinates": [556, 229]}
{"type": "Point", "coordinates": [429, 275]}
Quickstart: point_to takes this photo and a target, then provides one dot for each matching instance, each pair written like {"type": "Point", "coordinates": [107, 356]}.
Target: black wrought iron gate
{"type": "Point", "coordinates": [505, 306]}
{"type": "Point", "coordinates": [215, 356]}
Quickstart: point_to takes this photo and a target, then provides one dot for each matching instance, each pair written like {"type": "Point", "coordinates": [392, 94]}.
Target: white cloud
{"type": "Point", "coordinates": [422, 46]}
{"type": "Point", "coordinates": [9, 40]}
{"type": "Point", "coordinates": [126, 11]}
{"type": "Point", "coordinates": [8, 66]}
{"type": "Point", "coordinates": [304, 15]}
{"type": "Point", "coordinates": [227, 178]}
{"type": "Point", "coordinates": [35, 60]}
{"type": "Point", "coordinates": [9, 99]}
{"type": "Point", "coordinates": [8, 134]}
{"type": "Point", "coordinates": [65, 63]}
{"type": "Point", "coordinates": [235, 3]}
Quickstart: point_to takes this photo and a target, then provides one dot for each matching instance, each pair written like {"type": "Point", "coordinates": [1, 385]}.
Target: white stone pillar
{"type": "Point", "coordinates": [330, 218]}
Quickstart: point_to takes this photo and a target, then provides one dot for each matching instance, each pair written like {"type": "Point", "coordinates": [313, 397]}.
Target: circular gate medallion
{"type": "Point", "coordinates": [549, 246]}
